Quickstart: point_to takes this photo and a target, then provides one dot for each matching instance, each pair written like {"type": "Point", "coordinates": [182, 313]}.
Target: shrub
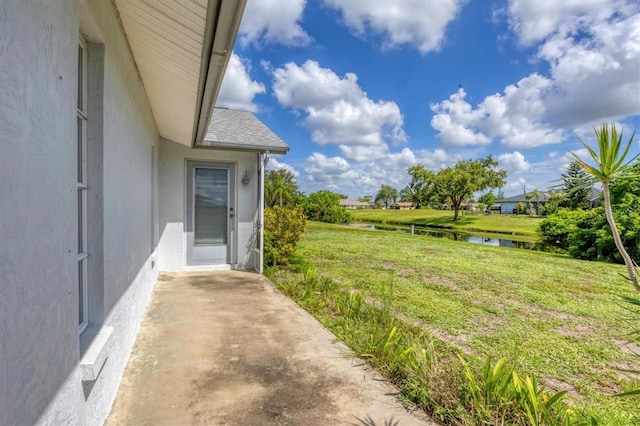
{"type": "Point", "coordinates": [324, 206]}
{"type": "Point", "coordinates": [283, 227]}
{"type": "Point", "coordinates": [558, 226]}
{"type": "Point", "coordinates": [587, 235]}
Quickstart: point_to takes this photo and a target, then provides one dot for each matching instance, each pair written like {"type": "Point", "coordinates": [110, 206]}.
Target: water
{"type": "Point", "coordinates": [455, 235]}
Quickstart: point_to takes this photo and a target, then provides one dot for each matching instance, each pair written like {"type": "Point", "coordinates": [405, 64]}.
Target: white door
{"type": "Point", "coordinates": [210, 213]}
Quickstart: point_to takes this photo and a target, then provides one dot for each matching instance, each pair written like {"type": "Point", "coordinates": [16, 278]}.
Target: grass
{"type": "Point", "coordinates": [521, 225]}
{"type": "Point", "coordinates": [556, 317]}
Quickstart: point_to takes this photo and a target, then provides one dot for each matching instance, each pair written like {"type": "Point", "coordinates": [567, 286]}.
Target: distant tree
{"type": "Point", "coordinates": [537, 195]}
{"type": "Point", "coordinates": [280, 188]}
{"type": "Point", "coordinates": [366, 199]}
{"type": "Point", "coordinates": [405, 195]}
{"type": "Point", "coordinates": [554, 198]}
{"type": "Point", "coordinates": [575, 186]}
{"type": "Point", "coordinates": [627, 184]}
{"type": "Point", "coordinates": [324, 206]}
{"type": "Point", "coordinates": [488, 199]}
{"type": "Point", "coordinates": [421, 189]}
{"type": "Point", "coordinates": [529, 197]}
{"type": "Point", "coordinates": [459, 182]}
{"type": "Point", "coordinates": [387, 195]}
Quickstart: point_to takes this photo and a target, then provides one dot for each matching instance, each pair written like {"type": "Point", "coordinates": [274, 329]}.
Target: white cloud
{"type": "Point", "coordinates": [595, 78]}
{"type": "Point", "coordinates": [515, 117]}
{"type": "Point", "coordinates": [363, 153]}
{"type": "Point", "coordinates": [274, 21]}
{"type": "Point", "coordinates": [513, 162]}
{"type": "Point", "coordinates": [517, 186]}
{"type": "Point", "coordinates": [534, 20]}
{"type": "Point", "coordinates": [593, 53]}
{"type": "Point", "coordinates": [338, 111]}
{"type": "Point", "coordinates": [356, 179]}
{"type": "Point", "coordinates": [415, 22]}
{"type": "Point", "coordinates": [455, 120]}
{"type": "Point", "coordinates": [332, 173]}
{"type": "Point", "coordinates": [274, 164]}
{"type": "Point", "coordinates": [592, 48]}
{"type": "Point", "coordinates": [238, 90]}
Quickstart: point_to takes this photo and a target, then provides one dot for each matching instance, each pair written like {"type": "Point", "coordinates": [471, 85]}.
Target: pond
{"type": "Point", "coordinates": [497, 240]}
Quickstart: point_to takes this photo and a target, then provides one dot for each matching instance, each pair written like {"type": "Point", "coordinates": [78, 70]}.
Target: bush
{"type": "Point", "coordinates": [558, 226]}
{"type": "Point", "coordinates": [587, 235]}
{"type": "Point", "coordinates": [283, 227]}
{"type": "Point", "coordinates": [324, 206]}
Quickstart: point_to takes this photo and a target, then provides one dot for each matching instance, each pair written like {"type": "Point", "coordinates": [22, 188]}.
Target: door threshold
{"type": "Point", "coordinates": [225, 267]}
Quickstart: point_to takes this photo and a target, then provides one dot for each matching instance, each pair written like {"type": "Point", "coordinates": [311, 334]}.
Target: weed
{"type": "Point", "coordinates": [428, 372]}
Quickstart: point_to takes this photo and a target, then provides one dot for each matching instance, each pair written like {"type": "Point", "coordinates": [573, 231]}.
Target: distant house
{"type": "Point", "coordinates": [403, 205]}
{"type": "Point", "coordinates": [510, 205]}
{"type": "Point", "coordinates": [595, 198]}
{"type": "Point", "coordinates": [354, 204]}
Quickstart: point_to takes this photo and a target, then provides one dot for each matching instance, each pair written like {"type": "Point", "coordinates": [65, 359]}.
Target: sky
{"type": "Point", "coordinates": [361, 90]}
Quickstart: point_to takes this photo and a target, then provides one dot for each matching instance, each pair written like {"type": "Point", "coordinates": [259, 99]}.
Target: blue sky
{"type": "Point", "coordinates": [364, 89]}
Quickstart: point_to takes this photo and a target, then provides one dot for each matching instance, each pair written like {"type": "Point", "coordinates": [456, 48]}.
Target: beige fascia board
{"type": "Point", "coordinates": [238, 147]}
{"type": "Point", "coordinates": [219, 38]}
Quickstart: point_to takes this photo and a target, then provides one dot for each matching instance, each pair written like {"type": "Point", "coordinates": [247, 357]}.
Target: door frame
{"type": "Point", "coordinates": [190, 166]}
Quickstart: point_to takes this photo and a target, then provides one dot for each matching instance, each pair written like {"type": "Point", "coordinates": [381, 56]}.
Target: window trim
{"type": "Point", "coordinates": [82, 187]}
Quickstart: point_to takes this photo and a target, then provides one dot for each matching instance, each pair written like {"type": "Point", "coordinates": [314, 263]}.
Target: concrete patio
{"type": "Point", "coordinates": [226, 348]}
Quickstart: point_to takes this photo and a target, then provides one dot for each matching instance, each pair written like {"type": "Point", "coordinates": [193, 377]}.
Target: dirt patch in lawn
{"type": "Point", "coordinates": [558, 386]}
{"type": "Point", "coordinates": [400, 272]}
{"type": "Point", "coordinates": [627, 346]}
{"type": "Point", "coordinates": [440, 281]}
{"type": "Point", "coordinates": [459, 341]}
{"type": "Point", "coordinates": [576, 331]}
{"type": "Point", "coordinates": [408, 273]}
{"type": "Point", "coordinates": [624, 371]}
{"type": "Point", "coordinates": [609, 388]}
{"type": "Point", "coordinates": [511, 304]}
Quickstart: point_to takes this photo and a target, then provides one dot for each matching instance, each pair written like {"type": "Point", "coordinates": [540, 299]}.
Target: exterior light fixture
{"type": "Point", "coordinates": [245, 178]}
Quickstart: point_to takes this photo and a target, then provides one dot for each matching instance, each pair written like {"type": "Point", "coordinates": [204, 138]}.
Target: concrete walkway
{"type": "Point", "coordinates": [226, 348]}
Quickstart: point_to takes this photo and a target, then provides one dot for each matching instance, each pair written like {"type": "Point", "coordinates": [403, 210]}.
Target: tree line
{"type": "Point", "coordinates": [451, 185]}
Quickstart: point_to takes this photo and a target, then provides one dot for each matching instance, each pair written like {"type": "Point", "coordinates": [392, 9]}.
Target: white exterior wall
{"type": "Point", "coordinates": [173, 203]}
{"type": "Point", "coordinates": [40, 377]}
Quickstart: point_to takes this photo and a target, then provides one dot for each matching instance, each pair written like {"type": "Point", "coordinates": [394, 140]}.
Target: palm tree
{"type": "Point", "coordinates": [555, 198]}
{"type": "Point", "coordinates": [280, 187]}
{"type": "Point", "coordinates": [609, 165]}
{"type": "Point", "coordinates": [537, 195]}
{"type": "Point", "coordinates": [280, 190]}
{"type": "Point", "coordinates": [529, 197]}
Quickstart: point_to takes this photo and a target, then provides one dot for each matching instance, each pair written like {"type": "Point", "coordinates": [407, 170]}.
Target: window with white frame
{"type": "Point", "coordinates": [82, 188]}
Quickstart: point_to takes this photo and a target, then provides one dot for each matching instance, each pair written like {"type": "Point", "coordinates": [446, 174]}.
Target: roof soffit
{"type": "Point", "coordinates": [181, 49]}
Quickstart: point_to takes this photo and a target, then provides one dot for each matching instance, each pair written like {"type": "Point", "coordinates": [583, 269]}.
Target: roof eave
{"type": "Point", "coordinates": [237, 147]}
{"type": "Point", "coordinates": [223, 22]}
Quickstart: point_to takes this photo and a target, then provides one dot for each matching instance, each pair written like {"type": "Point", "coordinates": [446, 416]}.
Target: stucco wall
{"type": "Point", "coordinates": [173, 199]}
{"type": "Point", "coordinates": [40, 379]}
{"type": "Point", "coordinates": [508, 208]}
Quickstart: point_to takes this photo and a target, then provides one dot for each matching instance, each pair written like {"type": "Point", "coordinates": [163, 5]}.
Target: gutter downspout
{"type": "Point", "coordinates": [264, 159]}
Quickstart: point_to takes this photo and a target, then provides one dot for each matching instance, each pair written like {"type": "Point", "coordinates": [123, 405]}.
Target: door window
{"type": "Point", "coordinates": [210, 206]}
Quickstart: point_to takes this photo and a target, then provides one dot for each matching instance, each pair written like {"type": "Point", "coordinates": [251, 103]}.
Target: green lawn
{"type": "Point", "coordinates": [521, 225]}
{"type": "Point", "coordinates": [557, 315]}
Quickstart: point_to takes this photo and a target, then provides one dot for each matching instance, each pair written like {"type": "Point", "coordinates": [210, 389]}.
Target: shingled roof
{"type": "Point", "coordinates": [234, 129]}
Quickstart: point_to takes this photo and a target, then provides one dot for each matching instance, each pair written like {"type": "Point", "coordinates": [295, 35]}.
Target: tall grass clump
{"type": "Point", "coordinates": [452, 388]}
